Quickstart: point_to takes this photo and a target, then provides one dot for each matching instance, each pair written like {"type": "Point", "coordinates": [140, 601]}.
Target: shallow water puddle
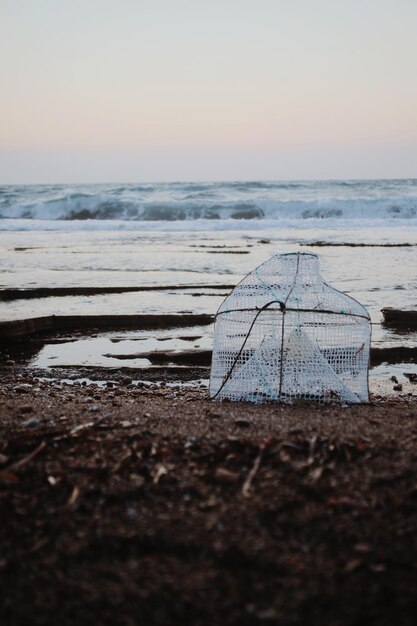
{"type": "Point", "coordinates": [133, 349]}
{"type": "Point", "coordinates": [116, 352]}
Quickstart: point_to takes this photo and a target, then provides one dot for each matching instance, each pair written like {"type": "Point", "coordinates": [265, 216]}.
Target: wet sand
{"type": "Point", "coordinates": [153, 505]}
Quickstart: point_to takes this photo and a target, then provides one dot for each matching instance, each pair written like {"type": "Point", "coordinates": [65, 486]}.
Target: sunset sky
{"type": "Point", "coordinates": [153, 90]}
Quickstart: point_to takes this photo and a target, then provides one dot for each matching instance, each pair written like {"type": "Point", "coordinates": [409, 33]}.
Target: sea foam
{"type": "Point", "coordinates": [210, 202]}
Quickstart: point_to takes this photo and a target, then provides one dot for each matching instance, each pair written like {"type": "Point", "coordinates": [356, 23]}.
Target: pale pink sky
{"type": "Point", "coordinates": [97, 90]}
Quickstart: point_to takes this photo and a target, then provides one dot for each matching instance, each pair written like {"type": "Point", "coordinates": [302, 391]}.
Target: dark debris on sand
{"type": "Point", "coordinates": [155, 506]}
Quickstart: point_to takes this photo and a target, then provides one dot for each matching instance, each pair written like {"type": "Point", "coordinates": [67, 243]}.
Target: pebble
{"type": "Point", "coordinates": [266, 615]}
{"type": "Point", "coordinates": [377, 568]}
{"type": "Point", "coordinates": [26, 408]}
{"type": "Point", "coordinates": [398, 387]}
{"type": "Point", "coordinates": [241, 422]}
{"type": "Point", "coordinates": [10, 362]}
{"type": "Point", "coordinates": [137, 480]}
{"type": "Point", "coordinates": [23, 388]}
{"type": "Point", "coordinates": [127, 381]}
{"type": "Point", "coordinates": [31, 422]}
{"type": "Point", "coordinates": [362, 548]}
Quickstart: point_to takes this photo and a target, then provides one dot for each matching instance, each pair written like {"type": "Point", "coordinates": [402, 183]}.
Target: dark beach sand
{"type": "Point", "coordinates": [153, 506]}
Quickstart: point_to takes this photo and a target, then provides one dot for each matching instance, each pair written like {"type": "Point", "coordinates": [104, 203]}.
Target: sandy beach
{"type": "Point", "coordinates": [153, 505]}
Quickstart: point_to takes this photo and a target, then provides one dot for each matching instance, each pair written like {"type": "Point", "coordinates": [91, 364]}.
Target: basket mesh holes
{"type": "Point", "coordinates": [310, 351]}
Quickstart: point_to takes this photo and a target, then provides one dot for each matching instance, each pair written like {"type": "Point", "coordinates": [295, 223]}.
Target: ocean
{"type": "Point", "coordinates": [185, 245]}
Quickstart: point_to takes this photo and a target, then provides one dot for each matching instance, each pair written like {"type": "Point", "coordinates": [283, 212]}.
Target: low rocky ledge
{"type": "Point", "coordinates": [18, 330]}
{"type": "Point", "coordinates": [400, 319]}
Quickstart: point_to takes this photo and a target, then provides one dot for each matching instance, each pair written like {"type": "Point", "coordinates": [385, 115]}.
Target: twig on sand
{"type": "Point", "coordinates": [87, 425]}
{"type": "Point", "coordinates": [26, 459]}
{"type": "Point", "coordinates": [255, 467]}
{"type": "Point", "coordinates": [128, 454]}
{"type": "Point", "coordinates": [73, 499]}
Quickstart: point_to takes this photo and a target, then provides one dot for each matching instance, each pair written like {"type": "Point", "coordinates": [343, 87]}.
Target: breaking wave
{"type": "Point", "coordinates": [213, 201]}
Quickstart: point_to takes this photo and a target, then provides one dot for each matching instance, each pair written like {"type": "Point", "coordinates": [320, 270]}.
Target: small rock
{"type": "Point", "coordinates": [398, 387]}
{"type": "Point", "coordinates": [411, 377]}
{"type": "Point", "coordinates": [241, 422]}
{"type": "Point", "coordinates": [23, 388]}
{"type": "Point", "coordinates": [394, 379]}
{"type": "Point", "coordinates": [93, 409]}
{"type": "Point", "coordinates": [10, 362]}
{"type": "Point", "coordinates": [31, 422]}
{"type": "Point", "coordinates": [26, 408]}
{"type": "Point", "coordinates": [127, 381]}
{"type": "Point", "coordinates": [352, 565]}
{"type": "Point", "coordinates": [362, 548]}
{"type": "Point", "coordinates": [377, 568]}
{"type": "Point", "coordinates": [137, 480]}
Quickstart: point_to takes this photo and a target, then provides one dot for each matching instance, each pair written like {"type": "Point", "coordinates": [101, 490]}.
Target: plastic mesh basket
{"type": "Point", "coordinates": [283, 334]}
